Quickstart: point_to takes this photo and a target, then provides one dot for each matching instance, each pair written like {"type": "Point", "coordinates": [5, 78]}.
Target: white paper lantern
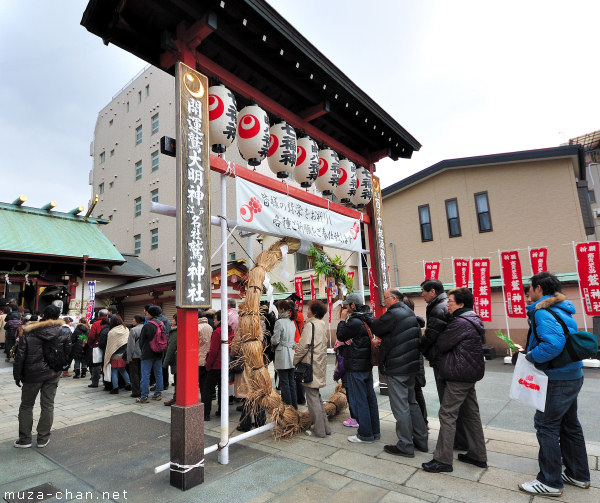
{"type": "Point", "coordinates": [329, 171]}
{"type": "Point", "coordinates": [307, 161]}
{"type": "Point", "coordinates": [346, 186]}
{"type": "Point", "coordinates": [364, 188]}
{"type": "Point", "coordinates": [253, 134]}
{"type": "Point", "coordinates": [282, 149]}
{"type": "Point", "coordinates": [222, 114]}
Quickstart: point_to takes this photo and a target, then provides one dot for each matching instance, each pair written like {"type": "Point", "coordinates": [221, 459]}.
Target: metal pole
{"type": "Point", "coordinates": [85, 257]}
{"type": "Point", "coordinates": [224, 453]}
{"type": "Point", "coordinates": [580, 292]}
{"type": "Point", "coordinates": [359, 276]}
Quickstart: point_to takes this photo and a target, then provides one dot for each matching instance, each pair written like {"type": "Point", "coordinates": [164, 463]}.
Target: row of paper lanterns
{"type": "Point", "coordinates": [286, 154]}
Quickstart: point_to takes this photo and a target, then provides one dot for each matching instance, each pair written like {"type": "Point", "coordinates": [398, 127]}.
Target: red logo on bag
{"type": "Point", "coordinates": [529, 385]}
{"type": "Point", "coordinates": [529, 378]}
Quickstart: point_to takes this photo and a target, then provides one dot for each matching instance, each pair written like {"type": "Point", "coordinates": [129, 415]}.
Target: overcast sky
{"type": "Point", "coordinates": [463, 77]}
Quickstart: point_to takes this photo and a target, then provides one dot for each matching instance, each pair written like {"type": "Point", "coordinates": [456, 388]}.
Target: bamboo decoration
{"type": "Point", "coordinates": [261, 395]}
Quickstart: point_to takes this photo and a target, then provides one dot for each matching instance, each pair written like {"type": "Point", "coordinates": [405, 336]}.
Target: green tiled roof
{"type": "Point", "coordinates": [29, 230]}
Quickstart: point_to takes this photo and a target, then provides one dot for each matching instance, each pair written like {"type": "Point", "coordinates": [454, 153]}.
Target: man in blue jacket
{"type": "Point", "coordinates": [558, 429]}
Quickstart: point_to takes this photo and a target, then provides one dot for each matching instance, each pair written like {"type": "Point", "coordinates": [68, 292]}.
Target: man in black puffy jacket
{"type": "Point", "coordinates": [32, 369]}
{"type": "Point", "coordinates": [357, 362]}
{"type": "Point", "coordinates": [399, 354]}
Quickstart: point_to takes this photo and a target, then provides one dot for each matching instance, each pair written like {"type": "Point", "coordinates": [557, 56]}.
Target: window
{"type": "Point", "coordinates": [154, 196]}
{"type": "Point", "coordinates": [153, 239]}
{"type": "Point", "coordinates": [452, 216]}
{"type": "Point", "coordinates": [484, 219]}
{"type": "Point", "coordinates": [112, 152]}
{"type": "Point", "coordinates": [137, 244]}
{"type": "Point", "coordinates": [139, 96]}
{"type": "Point", "coordinates": [232, 256]}
{"type": "Point", "coordinates": [425, 222]}
{"type": "Point", "coordinates": [154, 124]}
{"type": "Point", "coordinates": [101, 188]}
{"type": "Point", "coordinates": [138, 206]}
{"type": "Point", "coordinates": [591, 196]}
{"type": "Point", "coordinates": [154, 157]}
{"type": "Point", "coordinates": [138, 135]}
{"type": "Point", "coordinates": [102, 157]}
{"type": "Point", "coordinates": [138, 170]}
{"type": "Point", "coordinates": [148, 90]}
{"type": "Point", "coordinates": [302, 262]}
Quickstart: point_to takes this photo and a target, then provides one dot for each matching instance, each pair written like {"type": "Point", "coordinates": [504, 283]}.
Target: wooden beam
{"type": "Point", "coordinates": [316, 111]}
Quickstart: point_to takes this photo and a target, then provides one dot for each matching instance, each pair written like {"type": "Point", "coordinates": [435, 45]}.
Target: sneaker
{"type": "Point", "coordinates": [354, 439]}
{"type": "Point", "coordinates": [575, 482]}
{"type": "Point", "coordinates": [142, 400]}
{"type": "Point", "coordinates": [157, 397]}
{"type": "Point", "coordinates": [350, 423]}
{"type": "Point", "coordinates": [41, 445]}
{"type": "Point", "coordinates": [537, 487]}
{"type": "Point", "coordinates": [20, 444]}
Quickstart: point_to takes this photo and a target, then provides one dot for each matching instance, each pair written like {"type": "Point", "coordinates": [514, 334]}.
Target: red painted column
{"type": "Point", "coordinates": [378, 308]}
{"type": "Point", "coordinates": [187, 357]}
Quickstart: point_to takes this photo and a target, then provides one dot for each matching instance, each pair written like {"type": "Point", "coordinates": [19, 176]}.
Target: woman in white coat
{"type": "Point", "coordinates": [315, 326]}
{"type": "Point", "coordinates": [283, 341]}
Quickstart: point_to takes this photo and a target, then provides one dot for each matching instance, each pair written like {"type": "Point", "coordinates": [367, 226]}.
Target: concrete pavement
{"type": "Point", "coordinates": [265, 470]}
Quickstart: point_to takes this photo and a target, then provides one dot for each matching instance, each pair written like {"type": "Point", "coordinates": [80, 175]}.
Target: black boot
{"type": "Point", "coordinates": [83, 373]}
{"type": "Point", "coordinates": [76, 375]}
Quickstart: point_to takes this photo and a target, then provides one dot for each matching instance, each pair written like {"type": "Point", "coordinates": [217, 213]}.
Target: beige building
{"type": "Point", "coordinates": [129, 172]}
{"type": "Point", "coordinates": [473, 207]}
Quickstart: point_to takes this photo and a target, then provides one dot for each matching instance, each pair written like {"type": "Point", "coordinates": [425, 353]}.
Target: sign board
{"type": "Point", "coordinates": [193, 189]}
{"type": "Point", "coordinates": [381, 267]}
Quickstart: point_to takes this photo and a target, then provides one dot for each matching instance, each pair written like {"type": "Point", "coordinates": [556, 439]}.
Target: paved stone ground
{"type": "Point", "coordinates": [305, 468]}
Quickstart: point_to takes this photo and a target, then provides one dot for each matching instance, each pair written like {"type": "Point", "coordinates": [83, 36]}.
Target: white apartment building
{"type": "Point", "coordinates": [129, 172]}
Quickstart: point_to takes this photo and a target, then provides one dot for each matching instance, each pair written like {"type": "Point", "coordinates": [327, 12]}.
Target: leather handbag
{"type": "Point", "coordinates": [303, 372]}
{"type": "Point", "coordinates": [375, 345]}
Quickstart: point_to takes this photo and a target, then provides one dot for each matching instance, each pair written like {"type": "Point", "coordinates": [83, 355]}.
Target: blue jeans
{"type": "Point", "coordinates": [287, 384]}
{"type": "Point", "coordinates": [559, 434]}
{"type": "Point", "coordinates": [363, 403]}
{"type": "Point", "coordinates": [115, 377]}
{"type": "Point", "coordinates": [80, 364]}
{"type": "Point", "coordinates": [154, 365]}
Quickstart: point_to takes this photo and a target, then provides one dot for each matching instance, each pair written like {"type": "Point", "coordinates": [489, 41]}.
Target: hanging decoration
{"type": "Point", "coordinates": [307, 162]}
{"type": "Point", "coordinates": [461, 272]}
{"type": "Point", "coordinates": [588, 267]}
{"type": "Point", "coordinates": [482, 290]}
{"type": "Point", "coordinates": [513, 285]}
{"type": "Point", "coordinates": [346, 186]}
{"type": "Point", "coordinates": [431, 270]}
{"type": "Point", "coordinates": [253, 134]}
{"type": "Point", "coordinates": [538, 258]}
{"type": "Point", "coordinates": [329, 267]}
{"type": "Point", "coordinates": [282, 149]}
{"type": "Point", "coordinates": [364, 188]}
{"type": "Point", "coordinates": [222, 114]}
{"type": "Point", "coordinates": [329, 171]}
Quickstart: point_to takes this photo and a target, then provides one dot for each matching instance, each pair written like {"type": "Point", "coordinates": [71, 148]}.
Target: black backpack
{"type": "Point", "coordinates": [57, 351]}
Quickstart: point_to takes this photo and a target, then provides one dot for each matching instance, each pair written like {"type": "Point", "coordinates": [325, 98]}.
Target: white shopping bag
{"type": "Point", "coordinates": [108, 375]}
{"type": "Point", "coordinates": [529, 385]}
{"type": "Point", "coordinates": [97, 355]}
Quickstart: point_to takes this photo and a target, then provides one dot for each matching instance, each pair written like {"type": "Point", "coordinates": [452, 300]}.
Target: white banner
{"type": "Point", "coordinates": [266, 211]}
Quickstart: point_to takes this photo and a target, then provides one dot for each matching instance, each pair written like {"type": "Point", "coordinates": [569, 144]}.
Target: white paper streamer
{"type": "Point", "coordinates": [336, 304]}
{"type": "Point", "coordinates": [27, 279]}
{"type": "Point", "coordinates": [304, 247]}
{"type": "Point", "coordinates": [283, 274]}
{"type": "Point", "coordinates": [344, 290]}
{"type": "Point", "coordinates": [6, 279]}
{"type": "Point", "coordinates": [269, 287]}
{"type": "Point", "coordinates": [176, 467]}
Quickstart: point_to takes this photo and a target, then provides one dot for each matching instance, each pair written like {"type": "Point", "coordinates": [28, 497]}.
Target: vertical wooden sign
{"type": "Point", "coordinates": [193, 189]}
{"type": "Point", "coordinates": [380, 267]}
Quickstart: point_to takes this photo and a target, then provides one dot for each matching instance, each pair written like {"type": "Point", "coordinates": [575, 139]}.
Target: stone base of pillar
{"type": "Point", "coordinates": [187, 445]}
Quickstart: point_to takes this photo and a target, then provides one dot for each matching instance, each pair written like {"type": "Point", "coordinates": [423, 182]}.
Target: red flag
{"type": "Point", "coordinates": [299, 291]}
{"type": "Point", "coordinates": [313, 293]}
{"type": "Point", "coordinates": [432, 270]}
{"type": "Point", "coordinates": [482, 291]}
{"type": "Point", "coordinates": [372, 289]}
{"type": "Point", "coordinates": [461, 273]}
{"type": "Point", "coordinates": [588, 269]}
{"type": "Point", "coordinates": [513, 284]}
{"type": "Point", "coordinates": [329, 302]}
{"type": "Point", "coordinates": [351, 276]}
{"type": "Point", "coordinates": [538, 258]}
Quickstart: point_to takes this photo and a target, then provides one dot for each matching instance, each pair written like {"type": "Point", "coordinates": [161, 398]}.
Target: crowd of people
{"type": "Point", "coordinates": [450, 338]}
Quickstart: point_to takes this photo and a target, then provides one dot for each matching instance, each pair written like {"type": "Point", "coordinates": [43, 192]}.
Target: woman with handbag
{"type": "Point", "coordinates": [115, 353]}
{"type": "Point", "coordinates": [283, 341]}
{"type": "Point", "coordinates": [312, 348]}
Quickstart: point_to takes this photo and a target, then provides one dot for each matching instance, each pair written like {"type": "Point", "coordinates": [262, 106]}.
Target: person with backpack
{"type": "Point", "coordinates": [42, 352]}
{"type": "Point", "coordinates": [558, 429]}
{"type": "Point", "coordinates": [153, 341]}
{"type": "Point", "coordinates": [78, 340]}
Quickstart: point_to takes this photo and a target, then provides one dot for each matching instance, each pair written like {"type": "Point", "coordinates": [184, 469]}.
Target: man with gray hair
{"type": "Point", "coordinates": [399, 360]}
{"type": "Point", "coordinates": [93, 340]}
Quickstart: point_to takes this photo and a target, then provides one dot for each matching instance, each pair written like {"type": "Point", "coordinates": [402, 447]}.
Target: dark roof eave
{"type": "Point", "coordinates": [102, 261]}
{"type": "Point", "coordinates": [575, 151]}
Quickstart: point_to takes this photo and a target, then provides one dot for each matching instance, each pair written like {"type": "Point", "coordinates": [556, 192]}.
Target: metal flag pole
{"type": "Point", "coordinates": [579, 283]}
{"type": "Point", "coordinates": [224, 452]}
{"type": "Point", "coordinates": [454, 271]}
{"type": "Point", "coordinates": [504, 299]}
